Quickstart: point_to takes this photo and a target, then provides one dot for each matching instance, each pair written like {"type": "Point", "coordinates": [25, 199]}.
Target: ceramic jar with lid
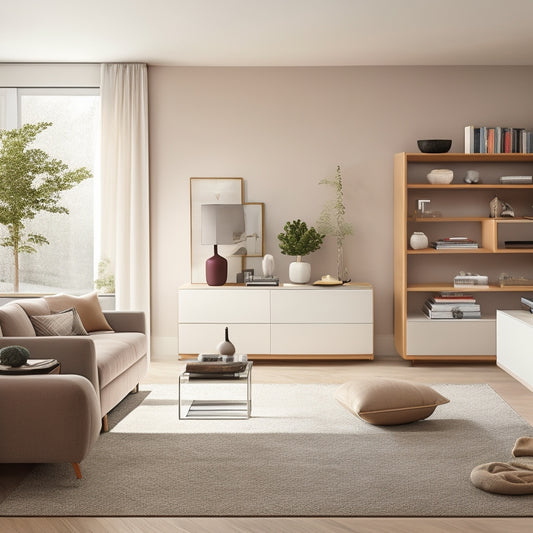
{"type": "Point", "coordinates": [418, 240]}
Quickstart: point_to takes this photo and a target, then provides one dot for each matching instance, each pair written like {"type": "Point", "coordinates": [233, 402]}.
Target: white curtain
{"type": "Point", "coordinates": [125, 228]}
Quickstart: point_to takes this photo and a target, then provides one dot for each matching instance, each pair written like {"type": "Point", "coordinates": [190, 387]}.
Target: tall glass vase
{"type": "Point", "coordinates": [340, 262]}
{"type": "Point", "coordinates": [342, 272]}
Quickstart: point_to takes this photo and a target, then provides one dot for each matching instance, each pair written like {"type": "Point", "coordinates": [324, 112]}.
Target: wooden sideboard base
{"type": "Point", "coordinates": [295, 357]}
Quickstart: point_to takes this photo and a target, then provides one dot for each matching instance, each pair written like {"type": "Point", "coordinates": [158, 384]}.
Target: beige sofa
{"type": "Point", "coordinates": [112, 353]}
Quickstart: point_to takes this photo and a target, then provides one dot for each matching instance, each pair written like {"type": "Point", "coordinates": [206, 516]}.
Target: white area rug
{"type": "Point", "coordinates": [300, 455]}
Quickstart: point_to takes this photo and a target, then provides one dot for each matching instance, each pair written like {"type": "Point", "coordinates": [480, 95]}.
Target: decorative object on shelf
{"type": "Point", "coordinates": [472, 176]}
{"type": "Point", "coordinates": [507, 280]}
{"type": "Point", "coordinates": [14, 355]}
{"type": "Point", "coordinates": [268, 265]}
{"type": "Point", "coordinates": [494, 207]}
{"type": "Point", "coordinates": [328, 279]}
{"type": "Point", "coordinates": [226, 346]}
{"type": "Point", "coordinates": [507, 210]}
{"type": "Point", "coordinates": [423, 212]}
{"type": "Point", "coordinates": [440, 176]}
{"type": "Point", "coordinates": [434, 146]}
{"type": "Point", "coordinates": [299, 240]}
{"type": "Point", "coordinates": [499, 208]}
{"type": "Point", "coordinates": [221, 224]}
{"type": "Point", "coordinates": [331, 222]}
{"type": "Point", "coordinates": [418, 240]}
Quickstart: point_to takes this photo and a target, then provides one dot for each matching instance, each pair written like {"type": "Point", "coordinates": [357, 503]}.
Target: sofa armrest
{"type": "Point", "coordinates": [76, 354]}
{"type": "Point", "coordinates": [47, 418]}
{"type": "Point", "coordinates": [126, 320]}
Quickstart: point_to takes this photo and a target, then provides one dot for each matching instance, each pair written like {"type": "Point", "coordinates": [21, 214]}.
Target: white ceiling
{"type": "Point", "coordinates": [268, 32]}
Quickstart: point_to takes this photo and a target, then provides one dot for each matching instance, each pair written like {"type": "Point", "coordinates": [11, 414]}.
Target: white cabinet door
{"type": "Point", "coordinates": [244, 306]}
{"type": "Point", "coordinates": [427, 337]}
{"type": "Point", "coordinates": [322, 306]}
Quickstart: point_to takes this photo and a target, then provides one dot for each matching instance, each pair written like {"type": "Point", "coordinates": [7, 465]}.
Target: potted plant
{"type": "Point", "coordinates": [298, 240]}
{"type": "Point", "coordinates": [331, 222]}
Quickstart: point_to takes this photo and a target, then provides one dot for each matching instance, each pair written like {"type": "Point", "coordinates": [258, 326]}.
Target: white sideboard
{"type": "Point", "coordinates": [286, 322]}
{"type": "Point", "coordinates": [514, 345]}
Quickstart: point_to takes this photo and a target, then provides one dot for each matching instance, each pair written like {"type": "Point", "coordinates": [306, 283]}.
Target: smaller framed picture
{"type": "Point", "coordinates": [254, 229]}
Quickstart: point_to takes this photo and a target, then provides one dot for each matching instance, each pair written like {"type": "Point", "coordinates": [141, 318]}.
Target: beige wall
{"type": "Point", "coordinates": [282, 130]}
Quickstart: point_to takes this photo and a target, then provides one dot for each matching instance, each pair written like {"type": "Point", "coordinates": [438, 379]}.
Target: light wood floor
{"type": "Point", "coordinates": [520, 398]}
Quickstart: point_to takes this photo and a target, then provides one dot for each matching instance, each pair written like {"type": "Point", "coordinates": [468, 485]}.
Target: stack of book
{"type": "Point", "coordinates": [518, 180]}
{"type": "Point", "coordinates": [258, 281]}
{"type": "Point", "coordinates": [470, 280]}
{"type": "Point", "coordinates": [449, 243]}
{"type": "Point", "coordinates": [497, 140]}
{"type": "Point", "coordinates": [527, 303]}
{"type": "Point", "coordinates": [454, 305]}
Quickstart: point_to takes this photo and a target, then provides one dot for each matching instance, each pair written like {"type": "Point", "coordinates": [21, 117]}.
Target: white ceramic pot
{"type": "Point", "coordinates": [300, 272]}
{"type": "Point", "coordinates": [418, 240]}
{"type": "Point", "coordinates": [440, 176]}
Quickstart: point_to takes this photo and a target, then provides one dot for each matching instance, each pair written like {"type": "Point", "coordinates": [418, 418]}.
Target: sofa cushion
{"type": "Point", "coordinates": [383, 401]}
{"type": "Point", "coordinates": [117, 352]}
{"type": "Point", "coordinates": [87, 306]}
{"type": "Point", "coordinates": [15, 322]}
{"type": "Point", "coordinates": [34, 306]}
{"type": "Point", "coordinates": [63, 323]}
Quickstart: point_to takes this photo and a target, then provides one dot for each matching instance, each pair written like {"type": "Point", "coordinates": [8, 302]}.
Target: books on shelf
{"type": "Point", "coordinates": [498, 140]}
{"type": "Point", "coordinates": [258, 281]}
{"type": "Point", "coordinates": [451, 307]}
{"type": "Point", "coordinates": [471, 280]}
{"type": "Point", "coordinates": [526, 303]}
{"type": "Point", "coordinates": [454, 243]}
{"type": "Point", "coordinates": [518, 180]}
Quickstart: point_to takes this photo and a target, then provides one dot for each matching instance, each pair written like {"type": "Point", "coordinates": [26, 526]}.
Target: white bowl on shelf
{"type": "Point", "coordinates": [440, 176]}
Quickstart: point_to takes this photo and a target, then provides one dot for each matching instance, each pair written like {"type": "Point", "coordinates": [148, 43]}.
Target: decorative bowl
{"type": "Point", "coordinates": [440, 176]}
{"type": "Point", "coordinates": [434, 146]}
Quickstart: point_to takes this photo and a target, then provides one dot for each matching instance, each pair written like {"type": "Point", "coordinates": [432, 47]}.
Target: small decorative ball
{"type": "Point", "coordinates": [14, 355]}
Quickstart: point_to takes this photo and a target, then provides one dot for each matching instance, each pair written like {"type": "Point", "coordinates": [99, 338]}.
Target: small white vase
{"type": "Point", "coordinates": [418, 240]}
{"type": "Point", "coordinates": [299, 272]}
{"type": "Point", "coordinates": [268, 266]}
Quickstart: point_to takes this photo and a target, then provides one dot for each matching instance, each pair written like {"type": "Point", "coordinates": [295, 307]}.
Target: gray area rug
{"type": "Point", "coordinates": [300, 455]}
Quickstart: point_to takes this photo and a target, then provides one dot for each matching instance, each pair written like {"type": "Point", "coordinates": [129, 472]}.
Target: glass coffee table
{"type": "Point", "coordinates": [215, 396]}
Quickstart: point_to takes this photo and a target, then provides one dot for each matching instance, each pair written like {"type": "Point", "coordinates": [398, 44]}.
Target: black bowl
{"type": "Point", "coordinates": [434, 146]}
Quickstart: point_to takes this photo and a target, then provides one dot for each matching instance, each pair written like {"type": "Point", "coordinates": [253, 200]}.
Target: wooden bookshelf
{"type": "Point", "coordinates": [460, 209]}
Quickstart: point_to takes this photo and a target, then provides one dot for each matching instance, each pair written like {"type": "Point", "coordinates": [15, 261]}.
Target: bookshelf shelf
{"type": "Point", "coordinates": [462, 209]}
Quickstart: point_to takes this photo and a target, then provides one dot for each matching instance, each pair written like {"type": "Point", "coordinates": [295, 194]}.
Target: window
{"type": "Point", "coordinates": [67, 263]}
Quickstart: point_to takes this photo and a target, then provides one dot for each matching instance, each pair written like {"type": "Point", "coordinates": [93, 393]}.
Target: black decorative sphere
{"type": "Point", "coordinates": [14, 355]}
{"type": "Point", "coordinates": [434, 146]}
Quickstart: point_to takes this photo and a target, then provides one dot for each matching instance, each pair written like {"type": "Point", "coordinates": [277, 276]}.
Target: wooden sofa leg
{"type": "Point", "coordinates": [105, 427]}
{"type": "Point", "coordinates": [135, 389]}
{"type": "Point", "coordinates": [77, 469]}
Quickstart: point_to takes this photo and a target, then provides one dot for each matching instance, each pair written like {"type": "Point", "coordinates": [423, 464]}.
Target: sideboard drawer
{"type": "Point", "coordinates": [224, 306]}
{"type": "Point", "coordinates": [329, 306]}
